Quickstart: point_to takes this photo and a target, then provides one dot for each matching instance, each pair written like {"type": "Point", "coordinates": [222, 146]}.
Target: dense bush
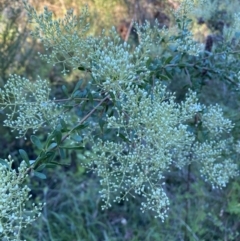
{"type": "Point", "coordinates": [124, 124]}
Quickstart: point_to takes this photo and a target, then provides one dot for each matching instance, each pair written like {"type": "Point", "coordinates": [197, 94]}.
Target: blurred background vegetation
{"type": "Point", "coordinates": [73, 212]}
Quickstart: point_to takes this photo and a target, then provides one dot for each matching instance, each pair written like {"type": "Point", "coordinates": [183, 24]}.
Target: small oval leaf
{"type": "Point", "coordinates": [65, 90]}
{"type": "Point", "coordinates": [35, 140]}
{"type": "Point", "coordinates": [52, 146]}
{"type": "Point", "coordinates": [81, 68]}
{"type": "Point", "coordinates": [77, 86]}
{"type": "Point", "coordinates": [58, 136]}
{"type": "Point", "coordinates": [24, 156]}
{"type": "Point", "coordinates": [63, 124]}
{"type": "Point", "coordinates": [39, 175]}
{"type": "Point", "coordinates": [76, 137]}
{"type": "Point", "coordinates": [41, 167]}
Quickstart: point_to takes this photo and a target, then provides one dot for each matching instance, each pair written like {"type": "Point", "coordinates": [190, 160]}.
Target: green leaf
{"type": "Point", "coordinates": [62, 153]}
{"type": "Point", "coordinates": [163, 77]}
{"type": "Point", "coordinates": [49, 156]}
{"type": "Point", "coordinates": [111, 113]}
{"type": "Point", "coordinates": [35, 140]}
{"type": "Point", "coordinates": [52, 146]}
{"type": "Point", "coordinates": [112, 96]}
{"type": "Point", "coordinates": [50, 139]}
{"type": "Point", "coordinates": [65, 90]}
{"type": "Point", "coordinates": [237, 34]}
{"type": "Point", "coordinates": [101, 124]}
{"type": "Point", "coordinates": [123, 137]}
{"type": "Point", "coordinates": [3, 162]}
{"type": "Point", "coordinates": [77, 86]}
{"type": "Point", "coordinates": [57, 136]}
{"type": "Point", "coordinates": [59, 163]}
{"type": "Point", "coordinates": [50, 165]}
{"type": "Point", "coordinates": [41, 167]}
{"type": "Point", "coordinates": [188, 20]}
{"type": "Point", "coordinates": [24, 156]}
{"type": "Point", "coordinates": [80, 127]}
{"type": "Point", "coordinates": [182, 65]}
{"type": "Point", "coordinates": [106, 106]}
{"type": "Point", "coordinates": [176, 59]}
{"type": "Point", "coordinates": [200, 136]}
{"type": "Point", "coordinates": [178, 20]}
{"type": "Point", "coordinates": [77, 94]}
{"type": "Point", "coordinates": [169, 59]}
{"type": "Point", "coordinates": [90, 97]}
{"type": "Point", "coordinates": [43, 158]}
{"type": "Point", "coordinates": [83, 105]}
{"type": "Point", "coordinates": [63, 124]}
{"type": "Point", "coordinates": [81, 68]}
{"type": "Point", "coordinates": [39, 175]}
{"type": "Point", "coordinates": [168, 75]}
{"type": "Point", "coordinates": [99, 107]}
{"type": "Point", "coordinates": [73, 147]}
{"type": "Point", "coordinates": [76, 137]}
{"type": "Point", "coordinates": [31, 161]}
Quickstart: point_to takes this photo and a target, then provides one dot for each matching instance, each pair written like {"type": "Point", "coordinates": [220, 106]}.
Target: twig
{"type": "Point", "coordinates": [129, 31]}
{"type": "Point", "coordinates": [84, 118]}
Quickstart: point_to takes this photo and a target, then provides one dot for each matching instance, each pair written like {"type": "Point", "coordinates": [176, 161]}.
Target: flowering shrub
{"type": "Point", "coordinates": [13, 214]}
{"type": "Point", "coordinates": [137, 130]}
{"type": "Point", "coordinates": [157, 135]}
{"type": "Point", "coordinates": [29, 105]}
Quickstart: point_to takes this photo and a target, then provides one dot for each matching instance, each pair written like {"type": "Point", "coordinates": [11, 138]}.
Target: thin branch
{"type": "Point", "coordinates": [61, 100]}
{"type": "Point", "coordinates": [129, 31]}
{"type": "Point", "coordinates": [84, 118]}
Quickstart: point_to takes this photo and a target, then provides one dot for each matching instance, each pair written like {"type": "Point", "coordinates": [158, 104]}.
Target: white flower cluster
{"type": "Point", "coordinates": [182, 15]}
{"type": "Point", "coordinates": [216, 167]}
{"type": "Point", "coordinates": [237, 147]}
{"type": "Point", "coordinates": [157, 135]}
{"type": "Point", "coordinates": [151, 37]}
{"type": "Point", "coordinates": [115, 66]}
{"type": "Point", "coordinates": [236, 23]}
{"type": "Point", "coordinates": [186, 44]}
{"type": "Point", "coordinates": [28, 105]}
{"type": "Point", "coordinates": [184, 8]}
{"type": "Point", "coordinates": [110, 61]}
{"type": "Point", "coordinates": [66, 38]}
{"type": "Point", "coordinates": [13, 214]}
{"type": "Point", "coordinates": [155, 204]}
{"type": "Point", "coordinates": [195, 8]}
{"type": "Point", "coordinates": [204, 9]}
{"type": "Point", "coordinates": [214, 121]}
{"type": "Point", "coordinates": [232, 33]}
